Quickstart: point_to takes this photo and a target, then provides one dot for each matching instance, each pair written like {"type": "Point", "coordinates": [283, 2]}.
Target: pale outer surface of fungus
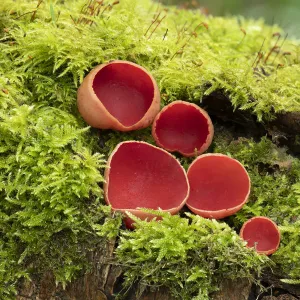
{"type": "Point", "coordinates": [96, 114]}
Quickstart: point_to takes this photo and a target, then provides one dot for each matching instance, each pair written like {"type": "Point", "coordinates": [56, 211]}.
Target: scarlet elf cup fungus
{"type": "Point", "coordinates": [183, 127]}
{"type": "Point", "coordinates": [140, 175]}
{"type": "Point", "coordinates": [262, 234]}
{"type": "Point", "coordinates": [219, 186]}
{"type": "Point", "coordinates": [119, 95]}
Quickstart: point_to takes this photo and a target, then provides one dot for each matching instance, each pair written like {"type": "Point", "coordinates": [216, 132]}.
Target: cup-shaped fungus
{"type": "Point", "coordinates": [119, 95]}
{"type": "Point", "coordinates": [262, 234]}
{"type": "Point", "coordinates": [183, 127]}
{"type": "Point", "coordinates": [219, 186]}
{"type": "Point", "coordinates": [140, 175]}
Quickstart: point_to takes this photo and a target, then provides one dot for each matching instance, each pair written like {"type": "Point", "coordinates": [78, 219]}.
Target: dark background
{"type": "Point", "coordinates": [285, 13]}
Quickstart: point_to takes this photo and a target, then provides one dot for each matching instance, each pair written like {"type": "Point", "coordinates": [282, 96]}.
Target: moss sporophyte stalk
{"type": "Point", "coordinates": [52, 211]}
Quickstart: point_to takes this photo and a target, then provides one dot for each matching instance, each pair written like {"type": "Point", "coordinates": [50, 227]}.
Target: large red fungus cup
{"type": "Point", "coordinates": [140, 175]}
{"type": "Point", "coordinates": [119, 95]}
{"type": "Point", "coordinates": [183, 127]}
{"type": "Point", "coordinates": [219, 186]}
{"type": "Point", "coordinates": [262, 234]}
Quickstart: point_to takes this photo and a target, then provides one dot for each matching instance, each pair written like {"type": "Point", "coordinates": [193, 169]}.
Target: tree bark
{"type": "Point", "coordinates": [233, 290]}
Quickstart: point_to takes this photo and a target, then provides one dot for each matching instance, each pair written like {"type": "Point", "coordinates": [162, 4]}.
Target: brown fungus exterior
{"type": "Point", "coordinates": [183, 127]}
{"type": "Point", "coordinates": [140, 175]}
{"type": "Point", "coordinates": [119, 95]}
{"type": "Point", "coordinates": [262, 234]}
{"type": "Point", "coordinates": [219, 186]}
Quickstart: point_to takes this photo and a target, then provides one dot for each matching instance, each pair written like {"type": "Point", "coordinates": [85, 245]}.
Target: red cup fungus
{"type": "Point", "coordinates": [219, 186]}
{"type": "Point", "coordinates": [262, 234]}
{"type": "Point", "coordinates": [140, 175]}
{"type": "Point", "coordinates": [183, 127]}
{"type": "Point", "coordinates": [119, 95]}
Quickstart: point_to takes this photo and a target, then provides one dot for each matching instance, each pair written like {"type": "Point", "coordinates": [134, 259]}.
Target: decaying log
{"type": "Point", "coordinates": [284, 130]}
{"type": "Point", "coordinates": [104, 280]}
{"type": "Point", "coordinates": [97, 284]}
{"type": "Point", "coordinates": [233, 290]}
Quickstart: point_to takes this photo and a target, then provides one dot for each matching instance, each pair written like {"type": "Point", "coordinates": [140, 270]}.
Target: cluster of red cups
{"type": "Point", "coordinates": [124, 96]}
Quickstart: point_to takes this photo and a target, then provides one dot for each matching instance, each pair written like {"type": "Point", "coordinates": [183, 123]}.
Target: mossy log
{"type": "Point", "coordinates": [52, 218]}
{"type": "Point", "coordinates": [103, 282]}
{"type": "Point", "coordinates": [283, 129]}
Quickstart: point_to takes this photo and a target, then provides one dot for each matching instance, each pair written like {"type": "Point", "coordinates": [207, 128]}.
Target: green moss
{"type": "Point", "coordinates": [51, 165]}
{"type": "Point", "coordinates": [50, 209]}
{"type": "Point", "coordinates": [53, 46]}
{"type": "Point", "coordinates": [175, 248]}
{"type": "Point", "coordinates": [190, 256]}
{"type": "Point", "coordinates": [49, 189]}
{"type": "Point", "coordinates": [275, 193]}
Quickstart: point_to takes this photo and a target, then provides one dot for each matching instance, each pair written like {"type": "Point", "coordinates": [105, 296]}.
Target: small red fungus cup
{"type": "Point", "coordinates": [219, 186]}
{"type": "Point", "coordinates": [262, 234]}
{"type": "Point", "coordinates": [183, 127]}
{"type": "Point", "coordinates": [119, 95]}
{"type": "Point", "coordinates": [140, 175]}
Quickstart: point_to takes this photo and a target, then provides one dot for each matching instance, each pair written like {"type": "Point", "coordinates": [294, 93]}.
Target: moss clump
{"type": "Point", "coordinates": [50, 209]}
{"type": "Point", "coordinates": [188, 59]}
{"type": "Point", "coordinates": [190, 256]}
{"type": "Point", "coordinates": [49, 190]}
{"type": "Point", "coordinates": [275, 193]}
{"type": "Point", "coordinates": [51, 165]}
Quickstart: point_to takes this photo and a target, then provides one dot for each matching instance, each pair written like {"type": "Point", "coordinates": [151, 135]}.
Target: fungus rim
{"type": "Point", "coordinates": [210, 127]}
{"type": "Point", "coordinates": [137, 211]}
{"type": "Point", "coordinates": [222, 213]}
{"type": "Point", "coordinates": [266, 252]}
{"type": "Point", "coordinates": [98, 115]}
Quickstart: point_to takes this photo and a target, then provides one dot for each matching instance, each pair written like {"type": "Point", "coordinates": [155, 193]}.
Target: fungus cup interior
{"type": "Point", "coordinates": [262, 234]}
{"type": "Point", "coordinates": [144, 176]}
{"type": "Point", "coordinates": [217, 182]}
{"type": "Point", "coordinates": [125, 90]}
{"type": "Point", "coordinates": [183, 127]}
